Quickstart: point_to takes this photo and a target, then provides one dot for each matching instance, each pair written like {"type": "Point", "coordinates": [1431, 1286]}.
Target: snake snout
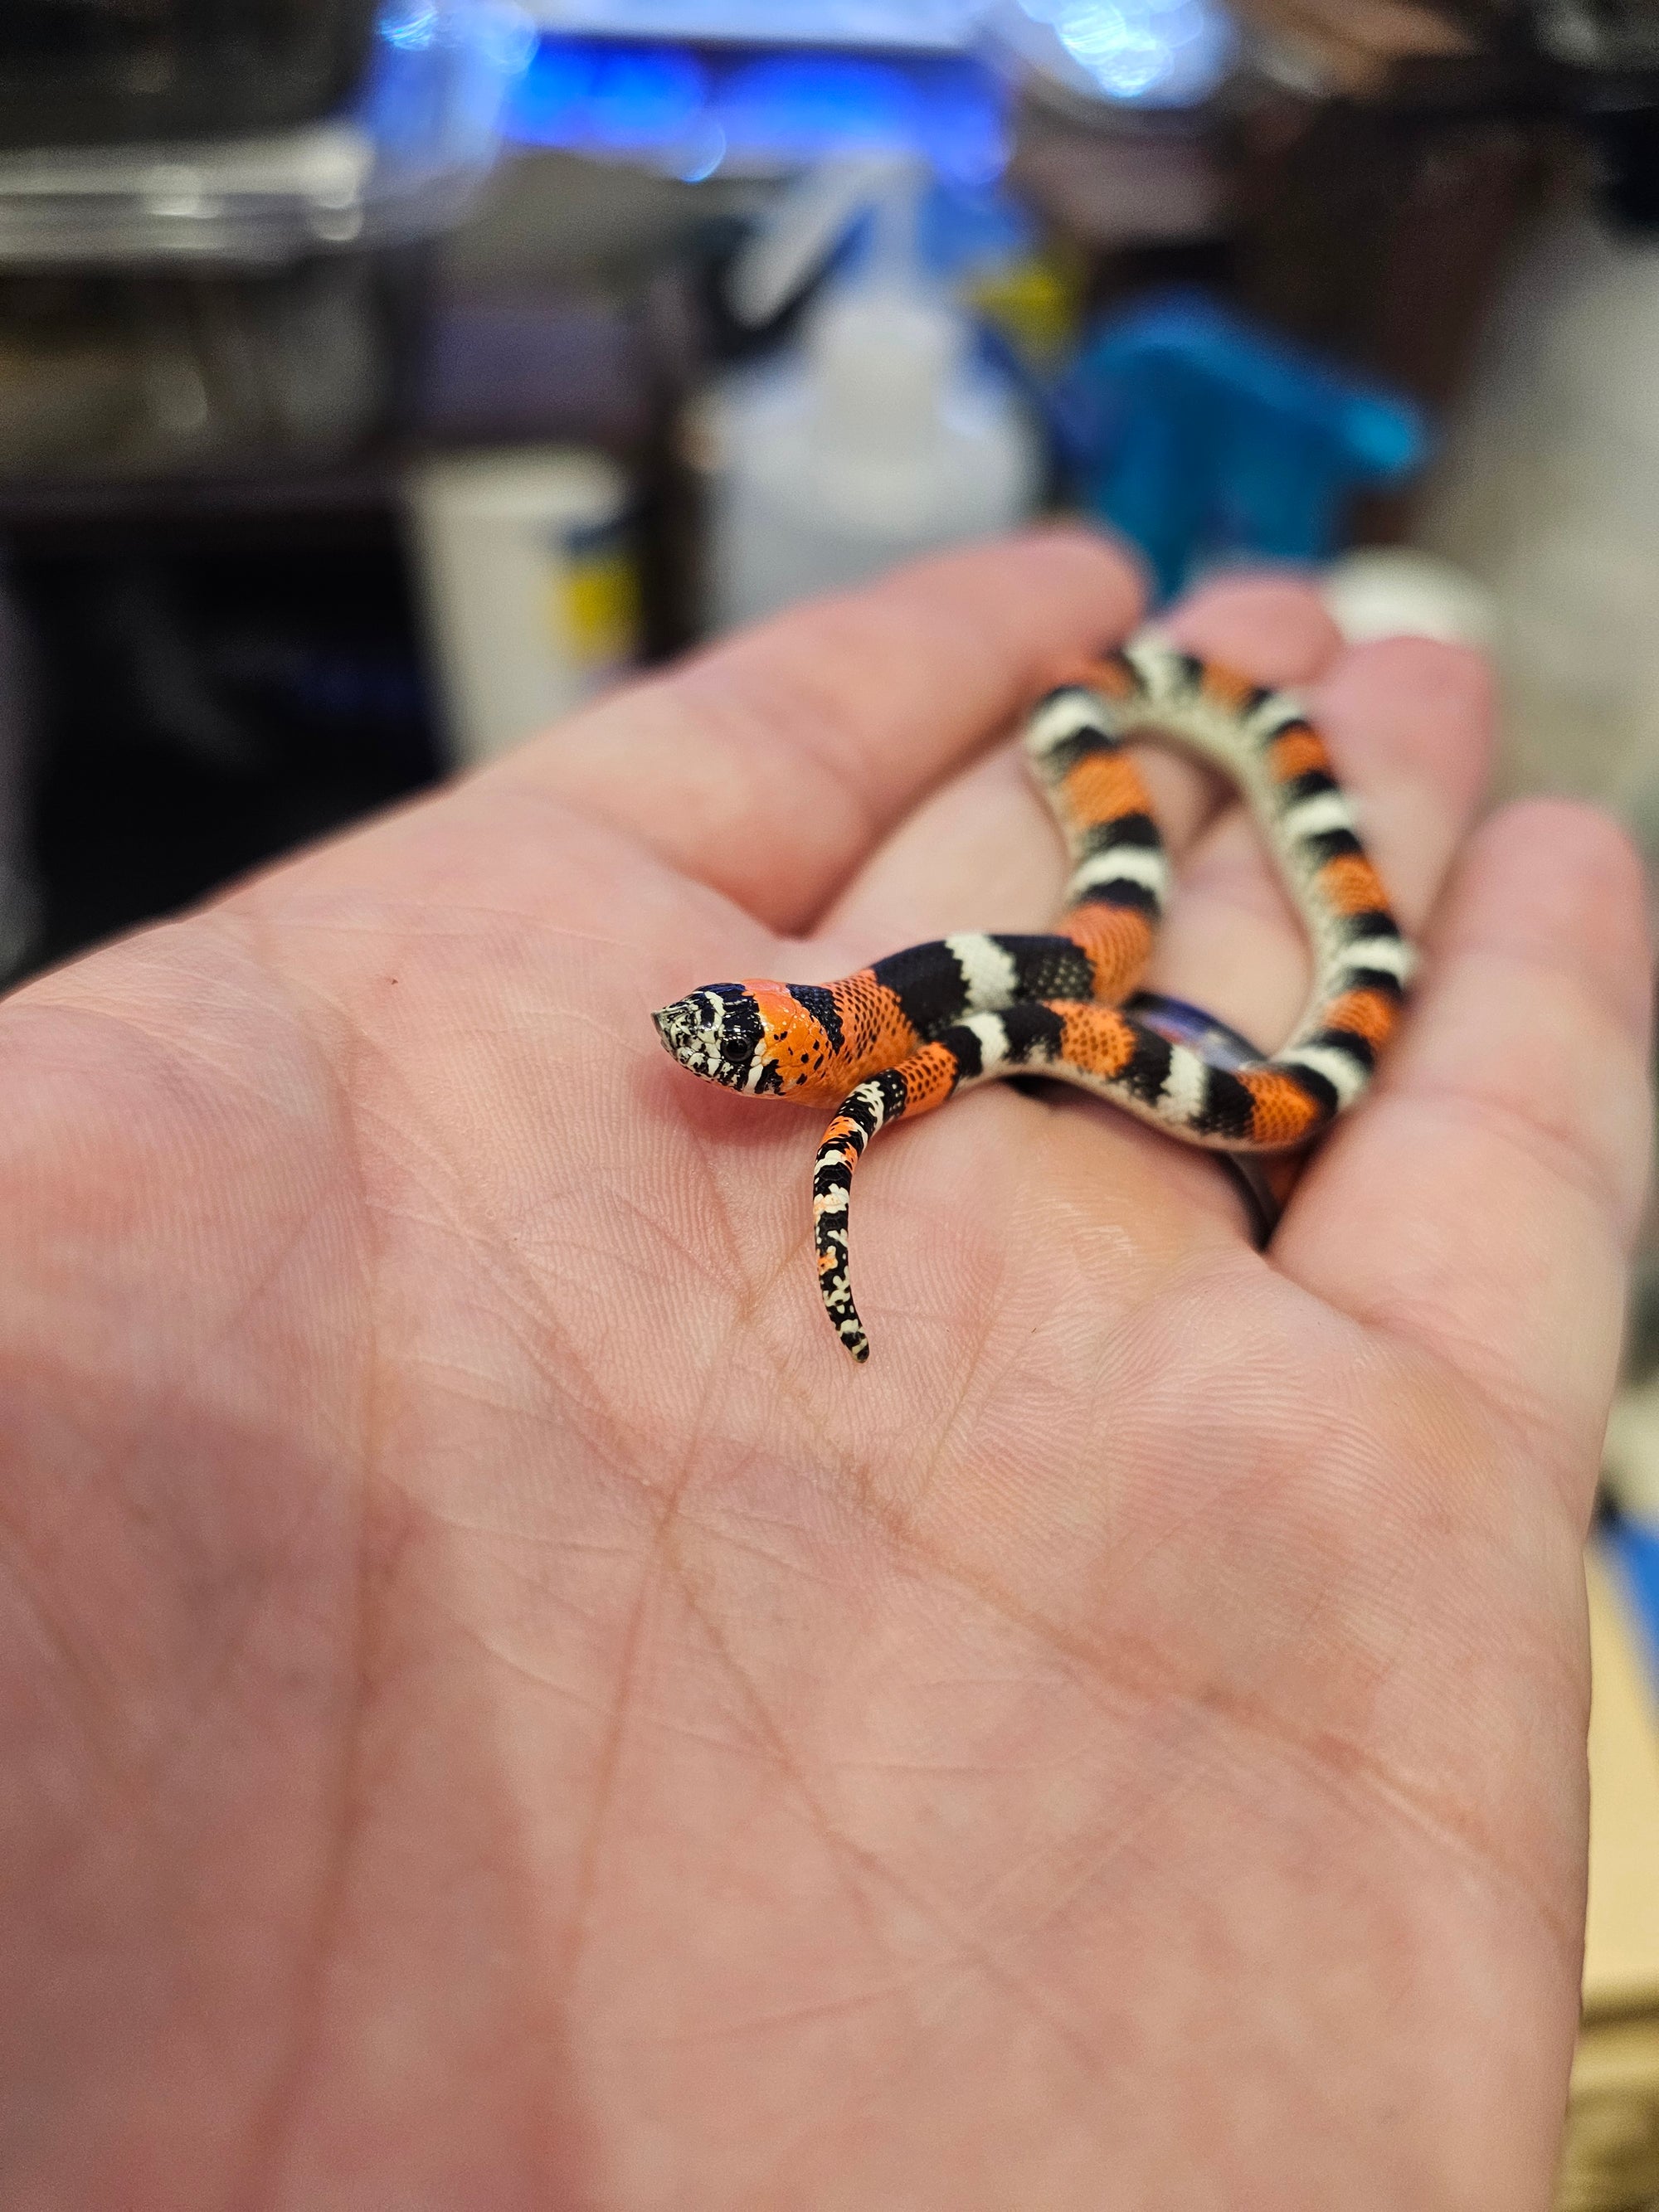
{"type": "Point", "coordinates": [710, 1034]}
{"type": "Point", "coordinates": [689, 1035]}
{"type": "Point", "coordinates": [677, 1025]}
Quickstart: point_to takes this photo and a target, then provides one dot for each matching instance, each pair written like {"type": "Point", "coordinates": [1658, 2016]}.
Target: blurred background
{"type": "Point", "coordinates": [380, 378]}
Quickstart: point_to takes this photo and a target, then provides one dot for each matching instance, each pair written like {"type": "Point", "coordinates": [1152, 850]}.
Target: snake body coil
{"type": "Point", "coordinates": [902, 1036]}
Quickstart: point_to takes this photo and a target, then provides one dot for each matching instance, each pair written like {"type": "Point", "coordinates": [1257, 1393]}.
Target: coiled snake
{"type": "Point", "coordinates": [902, 1036]}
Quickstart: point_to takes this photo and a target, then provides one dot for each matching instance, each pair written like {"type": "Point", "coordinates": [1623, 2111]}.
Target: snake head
{"type": "Point", "coordinates": [718, 1033]}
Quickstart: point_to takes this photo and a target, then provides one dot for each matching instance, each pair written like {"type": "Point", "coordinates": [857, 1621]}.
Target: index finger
{"type": "Point", "coordinates": [769, 766]}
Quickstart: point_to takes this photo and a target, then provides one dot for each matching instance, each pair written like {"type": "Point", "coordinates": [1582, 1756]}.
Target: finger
{"type": "Point", "coordinates": [982, 852]}
{"type": "Point", "coordinates": [769, 766]}
{"type": "Point", "coordinates": [1482, 1204]}
{"type": "Point", "coordinates": [1274, 628]}
{"type": "Point", "coordinates": [1408, 723]}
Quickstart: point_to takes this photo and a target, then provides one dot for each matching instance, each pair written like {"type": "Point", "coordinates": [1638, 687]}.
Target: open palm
{"type": "Point", "coordinates": [498, 1711]}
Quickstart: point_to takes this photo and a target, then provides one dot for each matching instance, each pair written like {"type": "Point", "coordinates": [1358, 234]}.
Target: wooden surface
{"type": "Point", "coordinates": [1611, 2162]}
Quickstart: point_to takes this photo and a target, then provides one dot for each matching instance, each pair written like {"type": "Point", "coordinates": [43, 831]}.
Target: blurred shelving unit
{"type": "Point", "coordinates": [215, 229]}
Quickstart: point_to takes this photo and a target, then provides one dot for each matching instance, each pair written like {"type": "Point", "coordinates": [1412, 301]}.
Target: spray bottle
{"type": "Point", "coordinates": [878, 437]}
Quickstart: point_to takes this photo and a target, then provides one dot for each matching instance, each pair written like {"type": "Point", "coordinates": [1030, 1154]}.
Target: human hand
{"type": "Point", "coordinates": [499, 1710]}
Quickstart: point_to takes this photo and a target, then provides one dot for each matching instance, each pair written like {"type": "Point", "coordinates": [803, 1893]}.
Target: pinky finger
{"type": "Point", "coordinates": [1483, 1203]}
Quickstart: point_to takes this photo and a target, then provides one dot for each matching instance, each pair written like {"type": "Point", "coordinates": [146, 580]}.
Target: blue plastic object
{"type": "Point", "coordinates": [1203, 437]}
{"type": "Point", "coordinates": [1634, 1546]}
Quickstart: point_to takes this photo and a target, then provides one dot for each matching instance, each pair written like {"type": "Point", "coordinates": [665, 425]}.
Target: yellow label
{"type": "Point", "coordinates": [1037, 302]}
{"type": "Point", "coordinates": [594, 604]}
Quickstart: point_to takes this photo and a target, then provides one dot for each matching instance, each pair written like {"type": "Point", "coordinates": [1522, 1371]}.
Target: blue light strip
{"type": "Point", "coordinates": [870, 26]}
{"type": "Point", "coordinates": [691, 110]}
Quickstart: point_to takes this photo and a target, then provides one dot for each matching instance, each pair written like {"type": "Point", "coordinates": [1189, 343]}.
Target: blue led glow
{"type": "Point", "coordinates": [1167, 52]}
{"type": "Point", "coordinates": [693, 112]}
{"type": "Point", "coordinates": [409, 25]}
{"type": "Point", "coordinates": [655, 94]}
{"type": "Point", "coordinates": [826, 105]}
{"type": "Point", "coordinates": [616, 99]}
{"type": "Point", "coordinates": [706, 158]}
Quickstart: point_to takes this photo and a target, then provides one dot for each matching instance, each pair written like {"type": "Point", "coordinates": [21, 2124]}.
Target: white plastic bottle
{"type": "Point", "coordinates": [878, 437]}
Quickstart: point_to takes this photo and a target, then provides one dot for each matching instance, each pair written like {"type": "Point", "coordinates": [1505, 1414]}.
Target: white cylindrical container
{"type": "Point", "coordinates": [530, 586]}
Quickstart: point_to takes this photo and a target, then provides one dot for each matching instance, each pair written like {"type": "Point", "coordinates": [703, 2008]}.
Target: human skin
{"type": "Point", "coordinates": [497, 1711]}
